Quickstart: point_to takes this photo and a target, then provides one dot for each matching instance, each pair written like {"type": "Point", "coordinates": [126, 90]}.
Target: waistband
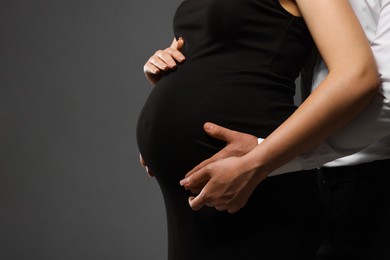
{"type": "Point", "coordinates": [364, 171]}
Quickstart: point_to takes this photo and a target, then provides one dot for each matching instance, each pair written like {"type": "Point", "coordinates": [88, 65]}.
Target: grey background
{"type": "Point", "coordinates": [71, 89]}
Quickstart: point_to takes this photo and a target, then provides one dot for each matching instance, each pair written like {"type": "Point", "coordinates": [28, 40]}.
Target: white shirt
{"type": "Point", "coordinates": [367, 137]}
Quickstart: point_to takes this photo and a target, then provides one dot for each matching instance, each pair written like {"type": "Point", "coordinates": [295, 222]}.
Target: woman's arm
{"type": "Point", "coordinates": [350, 85]}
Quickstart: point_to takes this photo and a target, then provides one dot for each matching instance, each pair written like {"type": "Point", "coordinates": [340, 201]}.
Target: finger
{"type": "Point", "coordinates": [234, 207]}
{"type": "Point", "coordinates": [149, 172]}
{"type": "Point", "coordinates": [196, 203]}
{"type": "Point", "coordinates": [219, 132]}
{"type": "Point", "coordinates": [143, 163]}
{"type": "Point", "coordinates": [166, 57]}
{"type": "Point", "coordinates": [215, 157]}
{"type": "Point", "coordinates": [179, 44]}
{"type": "Point", "coordinates": [233, 210]}
{"type": "Point", "coordinates": [197, 189]}
{"type": "Point", "coordinates": [177, 55]}
{"type": "Point", "coordinates": [149, 68]}
{"type": "Point", "coordinates": [157, 62]}
{"type": "Point", "coordinates": [196, 179]}
{"type": "Point", "coordinates": [209, 204]}
{"type": "Point", "coordinates": [141, 160]}
{"type": "Point", "coordinates": [221, 207]}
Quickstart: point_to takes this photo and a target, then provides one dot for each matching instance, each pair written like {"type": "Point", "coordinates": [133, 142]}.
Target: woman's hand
{"type": "Point", "coordinates": [164, 60]}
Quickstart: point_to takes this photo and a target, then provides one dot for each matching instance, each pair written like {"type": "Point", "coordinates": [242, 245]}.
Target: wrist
{"type": "Point", "coordinates": [255, 168]}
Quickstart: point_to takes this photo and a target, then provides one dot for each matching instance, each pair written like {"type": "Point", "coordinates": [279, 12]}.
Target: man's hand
{"type": "Point", "coordinates": [237, 144]}
{"type": "Point", "coordinates": [224, 181]}
{"type": "Point", "coordinates": [164, 60]}
{"type": "Point", "coordinates": [143, 163]}
{"type": "Point", "coordinates": [229, 184]}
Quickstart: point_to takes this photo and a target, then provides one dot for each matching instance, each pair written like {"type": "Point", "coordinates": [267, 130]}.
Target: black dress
{"type": "Point", "coordinates": [242, 58]}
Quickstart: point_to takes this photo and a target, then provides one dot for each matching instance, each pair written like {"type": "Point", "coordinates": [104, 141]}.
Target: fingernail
{"type": "Point", "coordinates": [208, 126]}
{"type": "Point", "coordinates": [184, 181]}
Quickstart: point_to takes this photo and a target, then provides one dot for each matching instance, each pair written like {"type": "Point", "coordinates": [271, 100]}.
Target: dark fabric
{"type": "Point", "coordinates": [242, 58]}
{"type": "Point", "coordinates": [281, 221]}
{"type": "Point", "coordinates": [306, 75]}
{"type": "Point", "coordinates": [357, 200]}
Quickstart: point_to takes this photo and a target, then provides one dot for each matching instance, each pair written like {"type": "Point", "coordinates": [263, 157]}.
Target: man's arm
{"type": "Point", "coordinates": [369, 127]}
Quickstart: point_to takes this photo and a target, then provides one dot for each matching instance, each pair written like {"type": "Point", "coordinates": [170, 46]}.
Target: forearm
{"type": "Point", "coordinates": [351, 83]}
{"type": "Point", "coordinates": [326, 110]}
{"type": "Point", "coordinates": [370, 126]}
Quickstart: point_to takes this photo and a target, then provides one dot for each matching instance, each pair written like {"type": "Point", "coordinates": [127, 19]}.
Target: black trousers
{"type": "Point", "coordinates": [357, 202]}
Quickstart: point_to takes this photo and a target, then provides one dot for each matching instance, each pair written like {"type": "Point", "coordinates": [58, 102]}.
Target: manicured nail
{"type": "Point", "coordinates": [184, 181]}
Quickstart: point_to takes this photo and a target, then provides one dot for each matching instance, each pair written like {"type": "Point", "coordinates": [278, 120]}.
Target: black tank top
{"type": "Point", "coordinates": [242, 58]}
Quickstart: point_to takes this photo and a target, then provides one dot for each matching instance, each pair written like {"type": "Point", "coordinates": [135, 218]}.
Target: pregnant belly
{"type": "Point", "coordinates": [170, 131]}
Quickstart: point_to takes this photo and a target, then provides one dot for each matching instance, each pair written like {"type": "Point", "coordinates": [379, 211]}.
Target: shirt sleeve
{"type": "Point", "coordinates": [381, 48]}
{"type": "Point", "coordinates": [372, 125]}
{"type": "Point", "coordinates": [292, 166]}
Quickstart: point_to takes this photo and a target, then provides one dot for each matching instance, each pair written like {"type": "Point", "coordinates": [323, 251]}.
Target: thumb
{"type": "Point", "coordinates": [219, 132]}
{"type": "Point", "coordinates": [179, 44]}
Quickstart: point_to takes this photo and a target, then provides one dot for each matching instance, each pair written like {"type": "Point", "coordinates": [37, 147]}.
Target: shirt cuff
{"type": "Point", "coordinates": [292, 166]}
